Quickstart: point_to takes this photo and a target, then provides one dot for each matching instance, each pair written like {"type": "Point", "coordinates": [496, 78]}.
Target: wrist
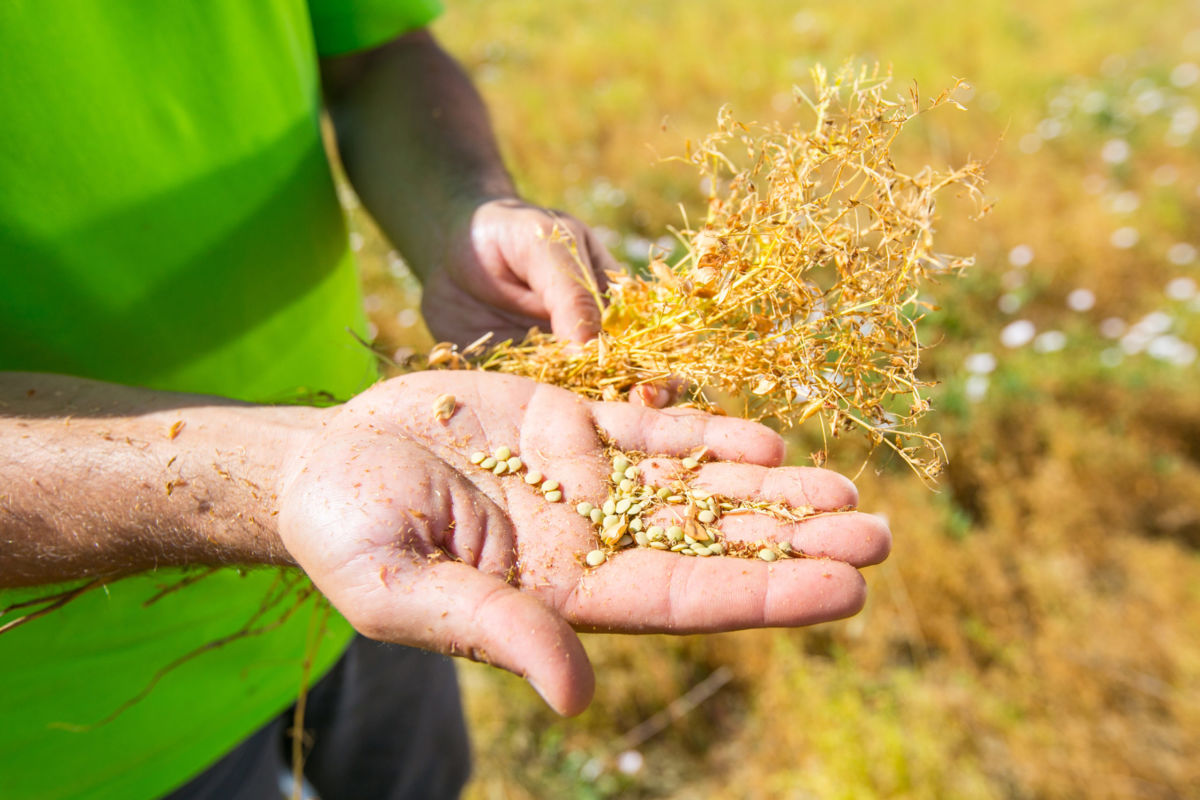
{"type": "Point", "coordinates": [105, 480]}
{"type": "Point", "coordinates": [222, 475]}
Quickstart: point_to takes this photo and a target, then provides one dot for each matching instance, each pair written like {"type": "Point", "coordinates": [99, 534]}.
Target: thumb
{"type": "Point", "coordinates": [570, 278]}
{"type": "Point", "coordinates": [574, 311]}
{"type": "Point", "coordinates": [453, 608]}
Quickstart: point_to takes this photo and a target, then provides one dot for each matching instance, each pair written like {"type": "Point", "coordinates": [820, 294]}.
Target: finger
{"type": "Point", "coordinates": [602, 261]}
{"type": "Point", "coordinates": [565, 279]}
{"type": "Point", "coordinates": [650, 395]}
{"type": "Point", "coordinates": [453, 608]}
{"type": "Point", "coordinates": [647, 591]}
{"type": "Point", "coordinates": [657, 394]}
{"type": "Point", "coordinates": [795, 487]}
{"type": "Point", "coordinates": [636, 428]}
{"type": "Point", "coordinates": [858, 539]}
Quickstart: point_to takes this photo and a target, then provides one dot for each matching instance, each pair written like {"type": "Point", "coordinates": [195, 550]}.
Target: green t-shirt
{"type": "Point", "coordinates": [168, 220]}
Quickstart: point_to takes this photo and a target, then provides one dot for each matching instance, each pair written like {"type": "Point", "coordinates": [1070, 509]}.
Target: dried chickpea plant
{"type": "Point", "coordinates": [798, 295]}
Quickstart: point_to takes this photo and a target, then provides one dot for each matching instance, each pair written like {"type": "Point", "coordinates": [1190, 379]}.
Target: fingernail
{"type": "Point", "coordinates": [539, 690]}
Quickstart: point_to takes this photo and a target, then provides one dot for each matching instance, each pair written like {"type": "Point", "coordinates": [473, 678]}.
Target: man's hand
{"type": "Point", "coordinates": [513, 266]}
{"type": "Point", "coordinates": [414, 544]}
{"type": "Point", "coordinates": [378, 502]}
{"type": "Point", "coordinates": [418, 147]}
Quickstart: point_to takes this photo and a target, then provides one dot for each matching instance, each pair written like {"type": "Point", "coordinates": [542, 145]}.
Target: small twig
{"type": "Point", "coordinates": [274, 598]}
{"type": "Point", "coordinates": [676, 709]}
{"type": "Point", "coordinates": [316, 627]}
{"type": "Point", "coordinates": [184, 582]}
{"type": "Point", "coordinates": [55, 602]}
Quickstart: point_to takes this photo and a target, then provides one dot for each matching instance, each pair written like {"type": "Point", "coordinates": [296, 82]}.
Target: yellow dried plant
{"type": "Point", "coordinates": [798, 295]}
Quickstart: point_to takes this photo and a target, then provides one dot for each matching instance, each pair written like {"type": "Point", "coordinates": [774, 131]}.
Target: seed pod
{"type": "Point", "coordinates": [613, 533]}
{"type": "Point", "coordinates": [704, 281]}
{"type": "Point", "coordinates": [443, 353]}
{"type": "Point", "coordinates": [443, 407]}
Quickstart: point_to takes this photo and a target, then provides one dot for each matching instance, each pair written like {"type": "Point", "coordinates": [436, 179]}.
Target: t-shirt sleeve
{"type": "Point", "coordinates": [343, 26]}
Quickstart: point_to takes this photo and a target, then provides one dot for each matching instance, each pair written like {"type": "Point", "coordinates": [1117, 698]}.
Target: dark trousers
{"type": "Point", "coordinates": [386, 722]}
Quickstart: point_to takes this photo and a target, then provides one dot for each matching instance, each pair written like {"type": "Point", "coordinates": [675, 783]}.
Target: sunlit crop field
{"type": "Point", "coordinates": [1036, 632]}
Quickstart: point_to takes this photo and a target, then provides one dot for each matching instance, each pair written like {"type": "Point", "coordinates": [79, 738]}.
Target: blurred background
{"type": "Point", "coordinates": [1036, 632]}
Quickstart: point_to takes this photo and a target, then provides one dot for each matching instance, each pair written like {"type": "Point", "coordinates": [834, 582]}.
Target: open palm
{"type": "Point", "coordinates": [414, 544]}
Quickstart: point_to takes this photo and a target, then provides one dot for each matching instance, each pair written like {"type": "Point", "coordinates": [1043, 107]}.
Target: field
{"type": "Point", "coordinates": [1036, 632]}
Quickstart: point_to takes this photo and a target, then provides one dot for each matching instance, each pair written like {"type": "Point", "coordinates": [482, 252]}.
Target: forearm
{"type": "Point", "coordinates": [99, 479]}
{"type": "Point", "coordinates": [416, 142]}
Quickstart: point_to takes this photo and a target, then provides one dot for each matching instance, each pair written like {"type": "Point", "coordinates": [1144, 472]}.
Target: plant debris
{"type": "Point", "coordinates": [798, 296]}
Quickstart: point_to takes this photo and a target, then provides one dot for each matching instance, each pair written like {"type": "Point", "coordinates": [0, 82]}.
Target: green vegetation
{"type": "Point", "coordinates": [1035, 632]}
